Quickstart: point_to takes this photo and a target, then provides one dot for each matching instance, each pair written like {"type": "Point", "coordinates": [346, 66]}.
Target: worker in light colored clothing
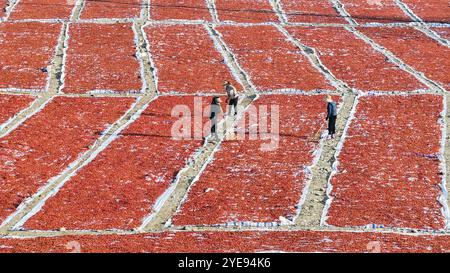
{"type": "Point", "coordinates": [232, 97]}
{"type": "Point", "coordinates": [331, 116]}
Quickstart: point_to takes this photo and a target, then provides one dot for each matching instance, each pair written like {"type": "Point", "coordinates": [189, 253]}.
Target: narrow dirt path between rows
{"type": "Point", "coordinates": [311, 212]}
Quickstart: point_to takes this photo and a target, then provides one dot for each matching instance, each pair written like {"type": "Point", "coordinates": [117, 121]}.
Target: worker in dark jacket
{"type": "Point", "coordinates": [215, 111]}
{"type": "Point", "coordinates": [331, 116]}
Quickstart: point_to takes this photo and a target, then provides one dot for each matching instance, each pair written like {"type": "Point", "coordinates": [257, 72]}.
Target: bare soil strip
{"type": "Point", "coordinates": [79, 5]}
{"type": "Point", "coordinates": [212, 10]}
{"type": "Point", "coordinates": [276, 5]}
{"type": "Point", "coordinates": [341, 10]}
{"type": "Point", "coordinates": [311, 212]}
{"type": "Point", "coordinates": [446, 186]}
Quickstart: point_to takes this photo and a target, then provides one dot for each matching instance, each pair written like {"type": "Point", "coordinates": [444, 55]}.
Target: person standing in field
{"type": "Point", "coordinates": [331, 116]}
{"type": "Point", "coordinates": [232, 97]}
{"type": "Point", "coordinates": [215, 111]}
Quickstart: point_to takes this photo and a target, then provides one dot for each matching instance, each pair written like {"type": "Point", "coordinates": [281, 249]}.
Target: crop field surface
{"type": "Point", "coordinates": [3, 5]}
{"type": "Point", "coordinates": [235, 242]}
{"type": "Point", "coordinates": [416, 49]}
{"type": "Point", "coordinates": [245, 11]}
{"type": "Point", "coordinates": [383, 11]}
{"type": "Point", "coordinates": [179, 10]}
{"type": "Point", "coordinates": [105, 126]}
{"type": "Point", "coordinates": [90, 69]}
{"type": "Point", "coordinates": [304, 11]}
{"type": "Point", "coordinates": [334, 45]}
{"type": "Point", "coordinates": [184, 52]}
{"type": "Point", "coordinates": [389, 170]}
{"type": "Point", "coordinates": [43, 9]}
{"type": "Point", "coordinates": [444, 32]}
{"type": "Point", "coordinates": [10, 105]}
{"type": "Point", "coordinates": [111, 9]}
{"type": "Point", "coordinates": [433, 11]}
{"type": "Point", "coordinates": [27, 51]}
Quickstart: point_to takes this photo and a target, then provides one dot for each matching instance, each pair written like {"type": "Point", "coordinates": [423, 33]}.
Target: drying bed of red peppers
{"type": "Point", "coordinates": [43, 9]}
{"type": "Point", "coordinates": [245, 11]}
{"type": "Point", "coordinates": [120, 186]}
{"type": "Point", "coordinates": [382, 11]}
{"type": "Point", "coordinates": [305, 11]}
{"type": "Point", "coordinates": [179, 10]}
{"type": "Point", "coordinates": [111, 9]}
{"type": "Point", "coordinates": [389, 168]}
{"type": "Point", "coordinates": [186, 59]}
{"type": "Point", "coordinates": [432, 11]}
{"type": "Point", "coordinates": [271, 61]}
{"type": "Point", "coordinates": [246, 184]}
{"type": "Point", "coordinates": [3, 5]}
{"type": "Point", "coordinates": [49, 141]}
{"type": "Point", "coordinates": [415, 49]}
{"type": "Point", "coordinates": [346, 57]}
{"type": "Point", "coordinates": [234, 242]}
{"type": "Point", "coordinates": [101, 57]}
{"type": "Point", "coordinates": [444, 32]}
{"type": "Point", "coordinates": [26, 51]}
{"type": "Point", "coordinates": [11, 105]}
